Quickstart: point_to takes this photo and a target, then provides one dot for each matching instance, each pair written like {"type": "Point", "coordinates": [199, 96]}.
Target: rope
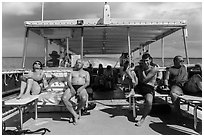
{"type": "Point", "coordinates": [23, 132]}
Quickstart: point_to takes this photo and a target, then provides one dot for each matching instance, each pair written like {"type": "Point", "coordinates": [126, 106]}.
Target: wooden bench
{"type": "Point", "coordinates": [132, 105]}
{"type": "Point", "coordinates": [194, 101]}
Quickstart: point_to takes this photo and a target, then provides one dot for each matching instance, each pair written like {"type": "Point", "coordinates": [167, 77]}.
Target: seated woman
{"type": "Point", "coordinates": [33, 82]}
{"type": "Point", "coordinates": [129, 78]}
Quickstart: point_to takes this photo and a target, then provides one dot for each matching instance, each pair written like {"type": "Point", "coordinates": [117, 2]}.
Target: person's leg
{"type": "Point", "coordinates": [147, 108]}
{"type": "Point", "coordinates": [174, 93]}
{"type": "Point", "coordinates": [83, 97]}
{"type": "Point", "coordinates": [36, 88]}
{"type": "Point", "coordinates": [29, 86]}
{"type": "Point", "coordinates": [66, 99]}
{"type": "Point", "coordinates": [23, 87]}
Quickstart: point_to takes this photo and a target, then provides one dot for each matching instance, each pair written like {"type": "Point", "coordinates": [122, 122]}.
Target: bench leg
{"type": "Point", "coordinates": [36, 109]}
{"type": "Point", "coordinates": [134, 108]}
{"type": "Point", "coordinates": [129, 102]}
{"type": "Point", "coordinates": [195, 116]}
{"type": "Point", "coordinates": [21, 116]}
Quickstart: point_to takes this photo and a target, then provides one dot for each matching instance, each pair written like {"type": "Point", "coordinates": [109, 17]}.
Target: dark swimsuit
{"type": "Point", "coordinates": [144, 89]}
{"type": "Point", "coordinates": [76, 87]}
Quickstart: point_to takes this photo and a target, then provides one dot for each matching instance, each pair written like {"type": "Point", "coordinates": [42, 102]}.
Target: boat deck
{"type": "Point", "coordinates": [111, 116]}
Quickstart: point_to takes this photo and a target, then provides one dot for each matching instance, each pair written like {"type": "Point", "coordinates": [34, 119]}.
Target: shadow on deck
{"type": "Point", "coordinates": [111, 116]}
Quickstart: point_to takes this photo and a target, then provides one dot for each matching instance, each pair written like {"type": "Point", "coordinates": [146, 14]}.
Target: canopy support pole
{"type": "Point", "coordinates": [82, 42]}
{"type": "Point", "coordinates": [162, 51]}
{"type": "Point", "coordinates": [67, 46]}
{"type": "Point", "coordinates": [25, 47]}
{"type": "Point", "coordinates": [185, 44]}
{"type": "Point", "coordinates": [46, 50]}
{"type": "Point", "coordinates": [129, 48]}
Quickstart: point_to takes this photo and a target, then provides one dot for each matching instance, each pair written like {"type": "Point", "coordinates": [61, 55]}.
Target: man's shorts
{"type": "Point", "coordinates": [144, 89]}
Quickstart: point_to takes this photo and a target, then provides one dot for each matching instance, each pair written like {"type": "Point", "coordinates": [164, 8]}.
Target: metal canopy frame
{"type": "Point", "coordinates": [104, 35]}
{"type": "Point", "coordinates": [105, 39]}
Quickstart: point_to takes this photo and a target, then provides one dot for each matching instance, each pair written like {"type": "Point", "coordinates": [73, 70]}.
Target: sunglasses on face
{"type": "Point", "coordinates": [181, 60]}
{"type": "Point", "coordinates": [37, 63]}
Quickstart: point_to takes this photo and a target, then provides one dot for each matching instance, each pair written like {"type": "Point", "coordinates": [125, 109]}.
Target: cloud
{"type": "Point", "coordinates": [14, 14]}
{"type": "Point", "coordinates": [19, 8]}
{"type": "Point", "coordinates": [157, 10]}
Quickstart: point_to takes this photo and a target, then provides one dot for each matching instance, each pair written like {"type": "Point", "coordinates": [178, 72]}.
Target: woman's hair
{"type": "Point", "coordinates": [39, 63]}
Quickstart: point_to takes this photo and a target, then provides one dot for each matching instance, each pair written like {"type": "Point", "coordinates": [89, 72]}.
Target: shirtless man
{"type": "Point", "coordinates": [33, 82]}
{"type": "Point", "coordinates": [78, 80]}
{"type": "Point", "coordinates": [177, 79]}
{"type": "Point", "coordinates": [147, 75]}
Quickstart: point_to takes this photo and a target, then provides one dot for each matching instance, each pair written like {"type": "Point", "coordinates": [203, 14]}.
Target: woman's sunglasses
{"type": "Point", "coordinates": [37, 63]}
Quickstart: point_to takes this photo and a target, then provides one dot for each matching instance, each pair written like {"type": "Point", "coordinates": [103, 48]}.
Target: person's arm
{"type": "Point", "coordinates": [87, 81]}
{"type": "Point", "coordinates": [69, 78]}
{"type": "Point", "coordinates": [45, 83]}
{"type": "Point", "coordinates": [150, 75]}
{"type": "Point", "coordinates": [135, 79]}
{"type": "Point", "coordinates": [166, 78]}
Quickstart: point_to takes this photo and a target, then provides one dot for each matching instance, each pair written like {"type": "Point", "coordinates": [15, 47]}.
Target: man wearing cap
{"type": "Point", "coordinates": [54, 61]}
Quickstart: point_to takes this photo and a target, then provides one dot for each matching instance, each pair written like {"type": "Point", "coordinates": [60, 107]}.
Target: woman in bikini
{"type": "Point", "coordinates": [33, 82]}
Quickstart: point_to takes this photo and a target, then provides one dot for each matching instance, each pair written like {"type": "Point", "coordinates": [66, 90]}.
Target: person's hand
{"type": "Point", "coordinates": [79, 90]}
{"type": "Point", "coordinates": [72, 90]}
{"type": "Point", "coordinates": [164, 87]}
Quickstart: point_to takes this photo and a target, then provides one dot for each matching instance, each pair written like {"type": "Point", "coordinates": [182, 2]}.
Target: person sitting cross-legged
{"type": "Point", "coordinates": [77, 81]}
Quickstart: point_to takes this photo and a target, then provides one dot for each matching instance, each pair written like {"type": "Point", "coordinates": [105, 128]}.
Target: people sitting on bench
{"type": "Point", "coordinates": [33, 82]}
{"type": "Point", "coordinates": [77, 81]}
{"type": "Point", "coordinates": [147, 75]}
{"type": "Point", "coordinates": [177, 79]}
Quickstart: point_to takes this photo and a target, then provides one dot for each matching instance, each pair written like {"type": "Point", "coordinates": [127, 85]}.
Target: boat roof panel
{"type": "Point", "coordinates": [100, 38]}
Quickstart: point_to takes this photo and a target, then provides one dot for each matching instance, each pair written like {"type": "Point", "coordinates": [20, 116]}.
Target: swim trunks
{"type": "Point", "coordinates": [144, 89]}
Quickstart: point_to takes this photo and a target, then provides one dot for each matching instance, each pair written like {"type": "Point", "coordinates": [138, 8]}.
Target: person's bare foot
{"type": "Point", "coordinates": [76, 119]}
{"type": "Point", "coordinates": [19, 97]}
{"type": "Point", "coordinates": [140, 122]}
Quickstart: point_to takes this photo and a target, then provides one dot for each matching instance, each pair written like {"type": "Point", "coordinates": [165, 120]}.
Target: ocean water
{"type": "Point", "coordinates": [10, 63]}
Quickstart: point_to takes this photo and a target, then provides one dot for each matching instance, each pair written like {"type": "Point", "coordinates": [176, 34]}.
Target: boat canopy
{"type": "Point", "coordinates": [99, 38]}
{"type": "Point", "coordinates": [103, 35]}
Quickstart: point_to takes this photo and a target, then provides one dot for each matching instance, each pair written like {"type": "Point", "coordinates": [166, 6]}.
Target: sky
{"type": "Point", "coordinates": [15, 13]}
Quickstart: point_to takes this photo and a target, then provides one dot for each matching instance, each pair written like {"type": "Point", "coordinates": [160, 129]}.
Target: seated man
{"type": "Point", "coordinates": [147, 75]}
{"type": "Point", "coordinates": [77, 81]}
{"type": "Point", "coordinates": [177, 79]}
